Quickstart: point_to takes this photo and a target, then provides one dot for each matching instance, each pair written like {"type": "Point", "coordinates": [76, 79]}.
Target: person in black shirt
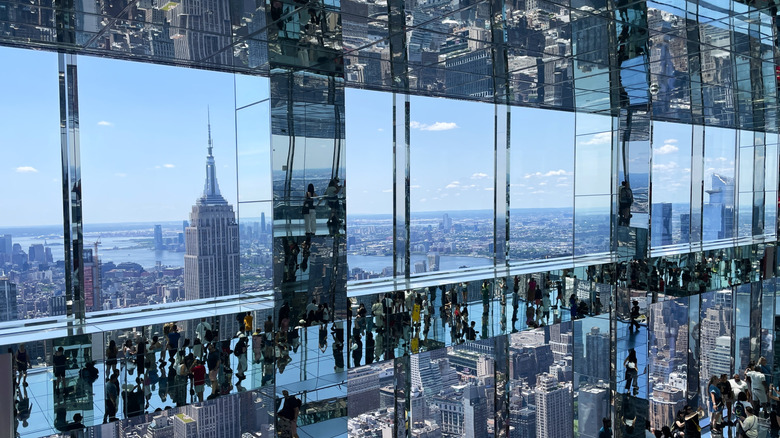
{"type": "Point", "coordinates": [634, 317]}
{"type": "Point", "coordinates": [60, 365]}
{"type": "Point", "coordinates": [470, 333]}
{"type": "Point", "coordinates": [213, 361]}
{"type": "Point", "coordinates": [288, 416]}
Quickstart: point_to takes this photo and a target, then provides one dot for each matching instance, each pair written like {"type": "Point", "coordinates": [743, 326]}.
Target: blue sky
{"type": "Point", "coordinates": [143, 137]}
{"type": "Point", "coordinates": [143, 146]}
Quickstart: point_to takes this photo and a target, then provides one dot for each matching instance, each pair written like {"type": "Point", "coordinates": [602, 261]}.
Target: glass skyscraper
{"type": "Point", "coordinates": [434, 218]}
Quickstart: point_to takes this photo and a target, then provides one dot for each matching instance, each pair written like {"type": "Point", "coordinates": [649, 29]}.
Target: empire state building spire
{"type": "Point", "coordinates": [211, 194]}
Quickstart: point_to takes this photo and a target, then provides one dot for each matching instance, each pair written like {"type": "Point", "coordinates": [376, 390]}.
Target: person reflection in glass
{"type": "Point", "coordinates": [60, 363]}
{"type": "Point", "coordinates": [632, 374]}
{"type": "Point", "coordinates": [22, 364]}
{"type": "Point", "coordinates": [331, 196]}
{"type": "Point", "coordinates": [309, 212]}
{"type": "Point", "coordinates": [22, 407]}
{"type": "Point", "coordinates": [625, 200]}
{"type": "Point", "coordinates": [112, 397]}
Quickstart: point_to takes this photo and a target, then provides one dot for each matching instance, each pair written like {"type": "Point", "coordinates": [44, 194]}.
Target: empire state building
{"type": "Point", "coordinates": [211, 260]}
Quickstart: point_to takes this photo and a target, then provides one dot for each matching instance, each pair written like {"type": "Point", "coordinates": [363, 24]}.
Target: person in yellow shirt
{"type": "Point", "coordinates": [248, 323]}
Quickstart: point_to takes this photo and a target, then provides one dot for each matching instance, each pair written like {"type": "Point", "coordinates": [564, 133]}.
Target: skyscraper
{"type": "Point", "coordinates": [553, 407]}
{"type": "Point", "coordinates": [6, 247]}
{"type": "Point", "coordinates": [8, 310]}
{"type": "Point", "coordinates": [91, 281]}
{"type": "Point", "coordinates": [211, 258]}
{"type": "Point", "coordinates": [158, 238]}
{"type": "Point", "coordinates": [474, 412]}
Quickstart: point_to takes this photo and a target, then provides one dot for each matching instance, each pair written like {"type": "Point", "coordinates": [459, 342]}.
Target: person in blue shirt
{"type": "Point", "coordinates": [606, 429]}
{"type": "Point", "coordinates": [173, 341]}
{"type": "Point", "coordinates": [716, 404]}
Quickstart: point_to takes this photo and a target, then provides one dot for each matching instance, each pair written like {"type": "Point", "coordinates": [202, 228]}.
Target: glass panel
{"type": "Point", "coordinates": [742, 344]}
{"type": "Point", "coordinates": [591, 374]}
{"type": "Point", "coordinates": [715, 339]}
{"type": "Point", "coordinates": [32, 271]}
{"type": "Point", "coordinates": [671, 184]}
{"type": "Point", "coordinates": [253, 140]}
{"type": "Point", "coordinates": [255, 231]}
{"type": "Point", "coordinates": [541, 185]}
{"type": "Point", "coordinates": [770, 222]}
{"type": "Point", "coordinates": [719, 198]}
{"type": "Point", "coordinates": [540, 382]}
{"type": "Point", "coordinates": [591, 224]}
{"type": "Point", "coordinates": [451, 194]}
{"type": "Point", "coordinates": [250, 89]}
{"type": "Point", "coordinates": [177, 223]}
{"type": "Point", "coordinates": [592, 174]}
{"type": "Point", "coordinates": [369, 221]}
{"type": "Point", "coordinates": [667, 360]}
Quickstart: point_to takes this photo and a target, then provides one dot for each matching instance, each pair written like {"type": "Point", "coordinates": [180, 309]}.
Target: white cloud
{"type": "Point", "coordinates": [453, 185]}
{"type": "Point", "coordinates": [438, 126]}
{"type": "Point", "coordinates": [26, 169]}
{"type": "Point", "coordinates": [479, 175]}
{"type": "Point", "coordinates": [387, 191]}
{"type": "Point", "coordinates": [601, 138]}
{"type": "Point", "coordinates": [105, 123]}
{"type": "Point", "coordinates": [666, 149]}
{"type": "Point", "coordinates": [380, 129]}
{"type": "Point", "coordinates": [168, 166]}
{"type": "Point", "coordinates": [121, 175]}
{"type": "Point", "coordinates": [548, 174]}
{"type": "Point", "coordinates": [489, 189]}
{"type": "Point", "coordinates": [670, 140]}
{"type": "Point", "coordinates": [414, 186]}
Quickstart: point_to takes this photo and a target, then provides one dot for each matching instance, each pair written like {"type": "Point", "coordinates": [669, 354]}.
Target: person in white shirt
{"type": "Point", "coordinates": [758, 388]}
{"type": "Point", "coordinates": [750, 424]}
{"type": "Point", "coordinates": [738, 385]}
{"type": "Point", "coordinates": [201, 329]}
{"type": "Point", "coordinates": [311, 307]}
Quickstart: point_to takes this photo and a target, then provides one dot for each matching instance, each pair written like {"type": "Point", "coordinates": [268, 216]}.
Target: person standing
{"type": "Point", "coordinates": [60, 365]}
{"type": "Point", "coordinates": [634, 317]}
{"type": "Point", "coordinates": [249, 321]}
{"type": "Point", "coordinates": [625, 200]}
{"type": "Point", "coordinates": [309, 212]}
{"type": "Point", "coordinates": [173, 341]}
{"type": "Point", "coordinates": [606, 428]}
{"type": "Point", "coordinates": [287, 417]}
{"type": "Point", "coordinates": [240, 351]}
{"type": "Point", "coordinates": [213, 361]}
{"type": "Point", "coordinates": [749, 424]}
{"type": "Point", "coordinates": [199, 378]}
{"type": "Point", "coordinates": [201, 329]}
{"type": "Point", "coordinates": [716, 405]}
{"type": "Point", "coordinates": [632, 374]}
{"type": "Point", "coordinates": [22, 364]}
{"type": "Point", "coordinates": [112, 397]}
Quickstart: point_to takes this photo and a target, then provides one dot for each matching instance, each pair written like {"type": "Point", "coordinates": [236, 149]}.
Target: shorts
{"type": "Point", "coordinates": [213, 374]}
{"type": "Point", "coordinates": [199, 388]}
{"type": "Point", "coordinates": [59, 372]}
{"type": "Point", "coordinates": [760, 396]}
{"type": "Point", "coordinates": [285, 426]}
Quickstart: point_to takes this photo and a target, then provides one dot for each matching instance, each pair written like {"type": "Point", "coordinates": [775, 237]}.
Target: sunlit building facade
{"type": "Point", "coordinates": [495, 218]}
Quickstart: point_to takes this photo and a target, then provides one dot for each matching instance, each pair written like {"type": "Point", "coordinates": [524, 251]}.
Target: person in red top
{"type": "Point", "coordinates": [199, 378]}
